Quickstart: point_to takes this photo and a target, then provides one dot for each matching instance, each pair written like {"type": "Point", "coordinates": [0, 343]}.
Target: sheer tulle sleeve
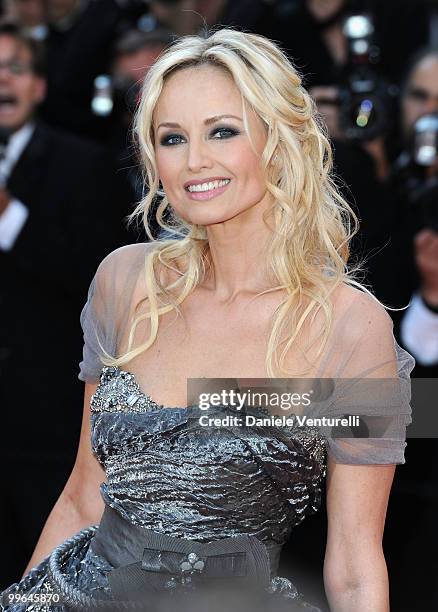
{"type": "Point", "coordinates": [368, 375]}
{"type": "Point", "coordinates": [107, 310]}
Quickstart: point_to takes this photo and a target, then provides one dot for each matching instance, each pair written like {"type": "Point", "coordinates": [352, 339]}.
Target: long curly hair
{"type": "Point", "coordinates": [312, 223]}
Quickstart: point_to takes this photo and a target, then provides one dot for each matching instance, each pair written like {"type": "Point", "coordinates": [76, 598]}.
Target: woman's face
{"type": "Point", "coordinates": [205, 161]}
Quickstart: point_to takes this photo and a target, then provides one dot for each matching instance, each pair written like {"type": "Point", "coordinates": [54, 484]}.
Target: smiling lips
{"type": "Point", "coordinates": [206, 190]}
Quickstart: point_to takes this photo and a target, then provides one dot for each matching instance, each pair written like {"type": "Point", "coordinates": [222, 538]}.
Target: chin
{"type": "Point", "coordinates": [202, 213]}
{"type": "Point", "coordinates": [207, 218]}
{"type": "Point", "coordinates": [10, 123]}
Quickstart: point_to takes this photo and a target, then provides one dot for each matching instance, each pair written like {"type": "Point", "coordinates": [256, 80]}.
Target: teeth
{"type": "Point", "coordinates": [208, 186]}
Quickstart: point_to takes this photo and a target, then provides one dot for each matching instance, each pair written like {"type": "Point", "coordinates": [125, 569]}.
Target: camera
{"type": "Point", "coordinates": [425, 140]}
{"type": "Point", "coordinates": [365, 96]}
{"type": "Point", "coordinates": [417, 172]}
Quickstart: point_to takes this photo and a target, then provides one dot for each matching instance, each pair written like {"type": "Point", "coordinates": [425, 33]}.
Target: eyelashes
{"type": "Point", "coordinates": [224, 134]}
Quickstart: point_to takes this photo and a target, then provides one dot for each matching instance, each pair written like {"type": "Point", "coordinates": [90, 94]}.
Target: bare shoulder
{"type": "Point", "coordinates": [358, 311]}
{"type": "Point", "coordinates": [117, 274]}
{"type": "Point", "coordinates": [123, 263]}
{"type": "Point", "coordinates": [128, 254]}
{"type": "Point", "coordinates": [125, 270]}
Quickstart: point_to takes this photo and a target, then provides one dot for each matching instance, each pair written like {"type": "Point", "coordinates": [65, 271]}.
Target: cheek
{"type": "Point", "coordinates": [168, 169]}
{"type": "Point", "coordinates": [244, 162]}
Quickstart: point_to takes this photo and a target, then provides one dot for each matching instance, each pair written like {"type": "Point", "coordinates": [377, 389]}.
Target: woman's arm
{"type": "Point", "coordinates": [355, 573]}
{"type": "Point", "coordinates": [80, 503]}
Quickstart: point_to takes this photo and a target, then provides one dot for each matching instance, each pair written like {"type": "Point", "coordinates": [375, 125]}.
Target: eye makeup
{"type": "Point", "coordinates": [225, 132]}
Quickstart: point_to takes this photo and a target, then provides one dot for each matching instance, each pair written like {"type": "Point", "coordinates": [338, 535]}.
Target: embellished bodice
{"type": "Point", "coordinates": [167, 472]}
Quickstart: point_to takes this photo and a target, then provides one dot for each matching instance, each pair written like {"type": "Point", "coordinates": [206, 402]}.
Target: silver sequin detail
{"type": "Point", "coordinates": [119, 391]}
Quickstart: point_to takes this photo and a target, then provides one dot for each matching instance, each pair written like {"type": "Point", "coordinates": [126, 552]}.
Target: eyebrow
{"type": "Point", "coordinates": [208, 121]}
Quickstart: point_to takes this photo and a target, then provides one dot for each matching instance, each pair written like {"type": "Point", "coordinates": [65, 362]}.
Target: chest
{"type": "Point", "coordinates": [207, 341]}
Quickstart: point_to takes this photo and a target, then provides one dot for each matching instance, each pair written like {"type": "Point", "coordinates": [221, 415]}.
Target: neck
{"type": "Point", "coordinates": [238, 254]}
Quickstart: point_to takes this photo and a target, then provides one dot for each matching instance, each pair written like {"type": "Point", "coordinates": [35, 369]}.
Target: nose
{"type": "Point", "coordinates": [198, 156]}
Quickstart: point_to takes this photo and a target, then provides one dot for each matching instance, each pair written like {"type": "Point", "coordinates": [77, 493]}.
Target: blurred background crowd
{"type": "Point", "coordinates": [70, 73]}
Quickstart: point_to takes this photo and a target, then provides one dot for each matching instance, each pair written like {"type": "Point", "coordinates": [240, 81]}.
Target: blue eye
{"type": "Point", "coordinates": [225, 132]}
{"type": "Point", "coordinates": [167, 140]}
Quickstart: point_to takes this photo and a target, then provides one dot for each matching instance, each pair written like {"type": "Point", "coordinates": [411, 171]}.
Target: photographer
{"type": "Point", "coordinates": [416, 181]}
{"type": "Point", "coordinates": [413, 181]}
{"type": "Point", "coordinates": [353, 66]}
{"type": "Point", "coordinates": [419, 326]}
{"type": "Point", "coordinates": [397, 203]}
{"type": "Point", "coordinates": [313, 33]}
{"type": "Point", "coordinates": [134, 53]}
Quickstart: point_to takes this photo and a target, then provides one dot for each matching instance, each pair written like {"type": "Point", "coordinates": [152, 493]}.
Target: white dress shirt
{"type": "Point", "coordinates": [14, 217]}
{"type": "Point", "coordinates": [419, 332]}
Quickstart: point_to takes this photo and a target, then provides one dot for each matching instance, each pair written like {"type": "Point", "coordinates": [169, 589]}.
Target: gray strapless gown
{"type": "Point", "coordinates": [167, 473]}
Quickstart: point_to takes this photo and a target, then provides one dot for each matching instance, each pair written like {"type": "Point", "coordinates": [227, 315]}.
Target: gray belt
{"type": "Point", "coordinates": [154, 570]}
{"type": "Point", "coordinates": [146, 561]}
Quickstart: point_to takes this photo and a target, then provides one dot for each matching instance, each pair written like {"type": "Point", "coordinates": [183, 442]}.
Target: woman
{"type": "Point", "coordinates": [254, 285]}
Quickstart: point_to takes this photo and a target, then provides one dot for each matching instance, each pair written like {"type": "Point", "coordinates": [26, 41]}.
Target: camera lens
{"type": "Point", "coordinates": [426, 140]}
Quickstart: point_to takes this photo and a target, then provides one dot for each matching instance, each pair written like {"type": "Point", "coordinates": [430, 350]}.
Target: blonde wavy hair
{"type": "Point", "coordinates": [313, 224]}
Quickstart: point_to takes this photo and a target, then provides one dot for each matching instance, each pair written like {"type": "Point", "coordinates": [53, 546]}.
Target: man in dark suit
{"type": "Point", "coordinates": [58, 219]}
